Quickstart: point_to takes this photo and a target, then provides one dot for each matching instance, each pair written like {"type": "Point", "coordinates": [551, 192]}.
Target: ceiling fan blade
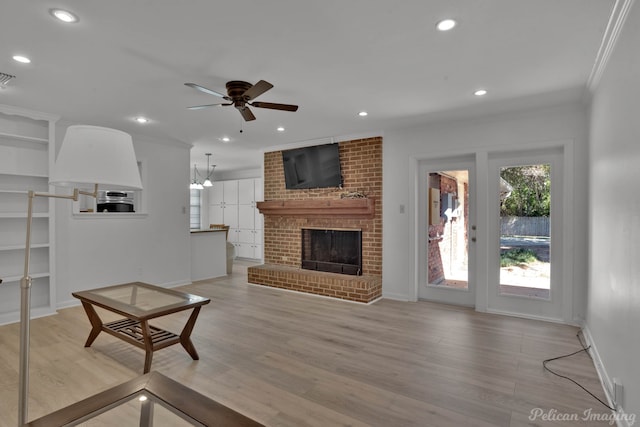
{"type": "Point", "coordinates": [257, 90]}
{"type": "Point", "coordinates": [200, 107]}
{"type": "Point", "coordinates": [247, 115]}
{"type": "Point", "coordinates": [271, 105]}
{"type": "Point", "coordinates": [205, 90]}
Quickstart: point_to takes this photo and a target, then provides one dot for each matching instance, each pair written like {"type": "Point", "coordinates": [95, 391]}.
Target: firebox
{"type": "Point", "coordinates": [333, 250]}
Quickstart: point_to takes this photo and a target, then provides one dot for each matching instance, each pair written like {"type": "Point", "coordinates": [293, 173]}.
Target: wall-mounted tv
{"type": "Point", "coordinates": [317, 166]}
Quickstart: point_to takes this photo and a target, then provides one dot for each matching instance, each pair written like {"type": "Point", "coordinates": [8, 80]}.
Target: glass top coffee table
{"type": "Point", "coordinates": [139, 302]}
{"type": "Point", "coordinates": [149, 400]}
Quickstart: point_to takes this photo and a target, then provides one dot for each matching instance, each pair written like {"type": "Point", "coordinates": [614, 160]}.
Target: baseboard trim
{"type": "Point", "coordinates": [529, 316]}
{"type": "Point", "coordinates": [606, 382]}
{"type": "Point", "coordinates": [177, 283]}
{"type": "Point", "coordinates": [622, 419]}
{"type": "Point", "coordinates": [396, 297]}
{"type": "Point", "coordinates": [14, 316]}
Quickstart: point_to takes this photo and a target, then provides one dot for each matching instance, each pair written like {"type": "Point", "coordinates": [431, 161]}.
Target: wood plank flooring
{"type": "Point", "coordinates": [287, 359]}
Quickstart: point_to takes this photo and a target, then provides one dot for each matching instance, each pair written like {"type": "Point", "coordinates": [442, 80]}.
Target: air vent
{"type": "Point", "coordinates": [4, 79]}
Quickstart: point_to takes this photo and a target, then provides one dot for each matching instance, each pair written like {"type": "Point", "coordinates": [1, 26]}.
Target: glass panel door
{"type": "Point", "coordinates": [525, 257]}
{"type": "Point", "coordinates": [448, 231]}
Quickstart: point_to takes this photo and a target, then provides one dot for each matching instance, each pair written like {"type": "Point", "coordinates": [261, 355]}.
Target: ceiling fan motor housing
{"type": "Point", "coordinates": [236, 89]}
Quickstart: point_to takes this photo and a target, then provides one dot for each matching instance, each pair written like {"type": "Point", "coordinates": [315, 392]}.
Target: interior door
{"type": "Point", "coordinates": [446, 217]}
{"type": "Point", "coordinates": [525, 264]}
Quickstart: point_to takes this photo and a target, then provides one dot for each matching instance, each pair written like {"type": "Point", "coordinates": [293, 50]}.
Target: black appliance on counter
{"type": "Point", "coordinates": [115, 201]}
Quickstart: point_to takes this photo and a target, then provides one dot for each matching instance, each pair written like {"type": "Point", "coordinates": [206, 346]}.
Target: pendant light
{"type": "Point", "coordinates": [207, 182]}
{"type": "Point", "coordinates": [195, 184]}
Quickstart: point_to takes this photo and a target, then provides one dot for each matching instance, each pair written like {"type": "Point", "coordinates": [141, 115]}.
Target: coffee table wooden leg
{"type": "Point", "coordinates": [185, 335]}
{"type": "Point", "coordinates": [148, 345]}
{"type": "Point", "coordinates": [96, 323]}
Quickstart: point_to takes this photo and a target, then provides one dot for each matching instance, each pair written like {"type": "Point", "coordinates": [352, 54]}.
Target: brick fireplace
{"type": "Point", "coordinates": [288, 212]}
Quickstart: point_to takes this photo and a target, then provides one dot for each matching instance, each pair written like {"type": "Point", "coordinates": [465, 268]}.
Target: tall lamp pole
{"type": "Point", "coordinates": [89, 156]}
{"type": "Point", "coordinates": [25, 303]}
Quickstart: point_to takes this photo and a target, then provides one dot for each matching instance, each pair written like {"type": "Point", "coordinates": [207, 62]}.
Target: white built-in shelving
{"type": "Point", "coordinates": [27, 152]}
{"type": "Point", "coordinates": [233, 202]}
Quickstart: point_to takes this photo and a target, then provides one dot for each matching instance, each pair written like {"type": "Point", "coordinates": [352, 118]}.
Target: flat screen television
{"type": "Point", "coordinates": [317, 166]}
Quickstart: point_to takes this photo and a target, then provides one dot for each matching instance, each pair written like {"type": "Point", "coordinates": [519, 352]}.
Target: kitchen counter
{"type": "Point", "coordinates": [208, 254]}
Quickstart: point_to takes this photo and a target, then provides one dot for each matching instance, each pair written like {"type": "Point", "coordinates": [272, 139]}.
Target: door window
{"type": "Point", "coordinates": [525, 230]}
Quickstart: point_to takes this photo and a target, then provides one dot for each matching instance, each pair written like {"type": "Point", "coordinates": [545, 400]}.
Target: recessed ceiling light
{"type": "Point", "coordinates": [445, 24]}
{"type": "Point", "coordinates": [280, 129]}
{"type": "Point", "coordinates": [64, 16]}
{"type": "Point", "coordinates": [363, 114]}
{"type": "Point", "coordinates": [20, 58]}
{"type": "Point", "coordinates": [480, 92]}
{"type": "Point", "coordinates": [225, 139]}
{"type": "Point", "coordinates": [141, 120]}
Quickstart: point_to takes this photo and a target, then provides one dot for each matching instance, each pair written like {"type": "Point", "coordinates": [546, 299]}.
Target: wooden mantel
{"type": "Point", "coordinates": [320, 208]}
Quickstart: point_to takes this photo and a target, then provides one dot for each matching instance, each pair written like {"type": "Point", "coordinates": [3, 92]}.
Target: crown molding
{"type": "Point", "coordinates": [35, 115]}
{"type": "Point", "coordinates": [619, 14]}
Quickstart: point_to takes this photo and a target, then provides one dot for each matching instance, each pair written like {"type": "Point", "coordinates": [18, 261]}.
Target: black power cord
{"type": "Point", "coordinates": [585, 350]}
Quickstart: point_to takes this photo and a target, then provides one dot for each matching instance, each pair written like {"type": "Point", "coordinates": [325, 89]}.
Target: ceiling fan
{"type": "Point", "coordinates": [241, 95]}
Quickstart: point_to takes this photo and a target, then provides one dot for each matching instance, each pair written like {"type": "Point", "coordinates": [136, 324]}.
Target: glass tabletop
{"type": "Point", "coordinates": [139, 300]}
{"type": "Point", "coordinates": [149, 400]}
{"type": "Point", "coordinates": [140, 409]}
{"type": "Point", "coordinates": [140, 297]}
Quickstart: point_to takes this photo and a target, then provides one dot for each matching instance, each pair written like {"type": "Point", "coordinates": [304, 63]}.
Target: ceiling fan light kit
{"type": "Point", "coordinates": [240, 94]}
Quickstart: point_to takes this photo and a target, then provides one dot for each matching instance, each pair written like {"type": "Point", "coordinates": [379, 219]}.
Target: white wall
{"type": "Point", "coordinates": [517, 130]}
{"type": "Point", "coordinates": [613, 315]}
{"type": "Point", "coordinates": [153, 248]}
{"type": "Point", "coordinates": [238, 174]}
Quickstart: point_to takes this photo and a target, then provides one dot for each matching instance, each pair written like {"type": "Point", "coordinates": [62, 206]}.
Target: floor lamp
{"type": "Point", "coordinates": [89, 156]}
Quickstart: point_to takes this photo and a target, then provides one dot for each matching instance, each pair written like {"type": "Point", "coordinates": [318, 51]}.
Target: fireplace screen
{"type": "Point", "coordinates": [336, 251]}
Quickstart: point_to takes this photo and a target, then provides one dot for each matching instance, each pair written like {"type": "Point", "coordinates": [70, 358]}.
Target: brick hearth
{"type": "Point", "coordinates": [355, 288]}
{"type": "Point", "coordinates": [361, 163]}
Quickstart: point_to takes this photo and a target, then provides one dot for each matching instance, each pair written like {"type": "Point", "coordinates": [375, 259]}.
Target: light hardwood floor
{"type": "Point", "coordinates": [287, 359]}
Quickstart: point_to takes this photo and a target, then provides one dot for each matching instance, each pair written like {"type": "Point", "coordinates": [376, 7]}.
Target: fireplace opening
{"type": "Point", "coordinates": [335, 251]}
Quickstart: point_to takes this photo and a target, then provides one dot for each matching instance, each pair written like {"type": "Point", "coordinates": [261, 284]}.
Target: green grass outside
{"type": "Point", "coordinates": [517, 256]}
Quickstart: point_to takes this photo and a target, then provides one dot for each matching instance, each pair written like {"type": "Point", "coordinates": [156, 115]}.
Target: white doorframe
{"type": "Point", "coordinates": [483, 244]}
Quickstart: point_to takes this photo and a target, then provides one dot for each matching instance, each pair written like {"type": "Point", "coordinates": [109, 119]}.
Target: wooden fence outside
{"type": "Point", "coordinates": [524, 226]}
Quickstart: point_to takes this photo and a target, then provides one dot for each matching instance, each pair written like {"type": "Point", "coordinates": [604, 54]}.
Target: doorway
{"type": "Point", "coordinates": [470, 252]}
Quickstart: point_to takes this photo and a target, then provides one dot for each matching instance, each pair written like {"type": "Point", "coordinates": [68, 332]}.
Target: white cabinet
{"type": "Point", "coordinates": [216, 193]}
{"type": "Point", "coordinates": [230, 192]}
{"type": "Point", "coordinates": [223, 203]}
{"type": "Point", "coordinates": [246, 191]}
{"type": "Point", "coordinates": [246, 217]}
{"type": "Point", "coordinates": [26, 155]}
{"type": "Point", "coordinates": [234, 203]}
{"type": "Point", "coordinates": [249, 242]}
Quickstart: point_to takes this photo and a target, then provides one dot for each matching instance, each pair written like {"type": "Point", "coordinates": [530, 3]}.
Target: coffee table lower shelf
{"type": "Point", "coordinates": [131, 331]}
